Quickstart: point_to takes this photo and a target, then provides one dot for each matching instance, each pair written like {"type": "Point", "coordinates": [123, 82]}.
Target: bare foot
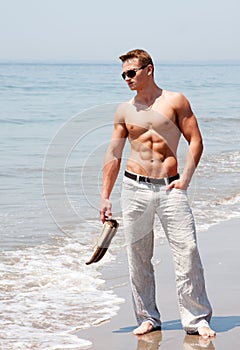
{"type": "Point", "coordinates": [206, 332]}
{"type": "Point", "coordinates": [144, 328]}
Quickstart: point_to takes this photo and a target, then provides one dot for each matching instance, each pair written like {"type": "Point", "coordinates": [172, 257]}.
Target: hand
{"type": "Point", "coordinates": [178, 184]}
{"type": "Point", "coordinates": [105, 209]}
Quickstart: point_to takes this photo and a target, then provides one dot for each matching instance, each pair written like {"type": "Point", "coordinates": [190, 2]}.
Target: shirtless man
{"type": "Point", "coordinates": [153, 122]}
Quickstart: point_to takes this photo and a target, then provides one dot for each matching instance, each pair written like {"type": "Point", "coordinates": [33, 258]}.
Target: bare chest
{"type": "Point", "coordinates": [153, 123]}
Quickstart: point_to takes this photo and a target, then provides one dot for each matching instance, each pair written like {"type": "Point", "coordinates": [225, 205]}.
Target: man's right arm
{"type": "Point", "coordinates": [112, 164]}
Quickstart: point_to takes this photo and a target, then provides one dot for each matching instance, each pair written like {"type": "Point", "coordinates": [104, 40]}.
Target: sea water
{"type": "Point", "coordinates": [55, 124]}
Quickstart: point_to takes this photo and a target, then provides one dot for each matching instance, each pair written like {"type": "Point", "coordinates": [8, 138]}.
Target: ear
{"type": "Point", "coordinates": [149, 69]}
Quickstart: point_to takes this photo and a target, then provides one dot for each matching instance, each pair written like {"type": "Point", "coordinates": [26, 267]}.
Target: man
{"type": "Point", "coordinates": [153, 122]}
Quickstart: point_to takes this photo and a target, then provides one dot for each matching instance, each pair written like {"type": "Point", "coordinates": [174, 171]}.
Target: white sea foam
{"type": "Point", "coordinates": [215, 211]}
{"type": "Point", "coordinates": [48, 293]}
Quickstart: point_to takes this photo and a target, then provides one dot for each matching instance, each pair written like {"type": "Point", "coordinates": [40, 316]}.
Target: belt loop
{"type": "Point", "coordinates": [137, 179]}
{"type": "Point", "coordinates": [166, 179]}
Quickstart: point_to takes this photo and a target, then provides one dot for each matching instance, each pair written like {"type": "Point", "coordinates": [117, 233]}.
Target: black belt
{"type": "Point", "coordinates": [151, 180]}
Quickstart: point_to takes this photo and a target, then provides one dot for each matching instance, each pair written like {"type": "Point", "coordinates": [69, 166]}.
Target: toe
{"type": "Point", "coordinates": [144, 328]}
{"type": "Point", "coordinates": [206, 332]}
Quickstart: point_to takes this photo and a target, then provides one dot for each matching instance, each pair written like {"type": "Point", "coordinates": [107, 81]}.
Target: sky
{"type": "Point", "coordinates": [101, 30]}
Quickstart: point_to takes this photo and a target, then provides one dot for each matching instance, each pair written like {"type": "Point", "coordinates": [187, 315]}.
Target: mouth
{"type": "Point", "coordinates": [130, 83]}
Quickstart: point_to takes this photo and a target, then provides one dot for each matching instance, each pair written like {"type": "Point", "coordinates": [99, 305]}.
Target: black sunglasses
{"type": "Point", "coordinates": [132, 72]}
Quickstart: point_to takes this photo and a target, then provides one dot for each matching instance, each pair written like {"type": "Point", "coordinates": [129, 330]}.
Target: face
{"type": "Point", "coordinates": [133, 73]}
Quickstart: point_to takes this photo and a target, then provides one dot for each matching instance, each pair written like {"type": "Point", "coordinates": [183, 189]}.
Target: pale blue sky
{"type": "Point", "coordinates": [101, 30]}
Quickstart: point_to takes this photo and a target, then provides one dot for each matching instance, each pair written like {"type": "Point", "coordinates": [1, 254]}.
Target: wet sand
{"type": "Point", "coordinates": [219, 250]}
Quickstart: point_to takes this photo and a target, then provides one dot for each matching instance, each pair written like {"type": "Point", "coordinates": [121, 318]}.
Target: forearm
{"type": "Point", "coordinates": [194, 153]}
{"type": "Point", "coordinates": [111, 167]}
{"type": "Point", "coordinates": [110, 174]}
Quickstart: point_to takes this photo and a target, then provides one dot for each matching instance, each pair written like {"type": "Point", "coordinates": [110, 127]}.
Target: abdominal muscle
{"type": "Point", "coordinates": [151, 157]}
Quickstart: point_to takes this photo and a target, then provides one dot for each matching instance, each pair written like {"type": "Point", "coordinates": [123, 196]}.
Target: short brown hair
{"type": "Point", "coordinates": [143, 57]}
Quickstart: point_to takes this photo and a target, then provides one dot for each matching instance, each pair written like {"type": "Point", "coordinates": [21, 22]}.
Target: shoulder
{"type": "Point", "coordinates": [121, 111]}
{"type": "Point", "coordinates": [180, 104]}
{"type": "Point", "coordinates": [120, 129]}
{"type": "Point", "coordinates": [177, 99]}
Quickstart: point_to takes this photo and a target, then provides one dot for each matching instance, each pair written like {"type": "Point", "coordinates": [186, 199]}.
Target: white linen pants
{"type": "Point", "coordinates": [140, 202]}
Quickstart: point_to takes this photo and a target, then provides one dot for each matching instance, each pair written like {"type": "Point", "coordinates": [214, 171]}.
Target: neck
{"type": "Point", "coordinates": [147, 95]}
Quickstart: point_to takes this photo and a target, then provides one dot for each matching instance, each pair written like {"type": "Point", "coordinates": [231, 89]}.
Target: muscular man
{"type": "Point", "coordinates": [153, 122]}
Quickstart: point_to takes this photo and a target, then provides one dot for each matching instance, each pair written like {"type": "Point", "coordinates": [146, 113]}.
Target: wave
{"type": "Point", "coordinates": [48, 294]}
{"type": "Point", "coordinates": [221, 162]}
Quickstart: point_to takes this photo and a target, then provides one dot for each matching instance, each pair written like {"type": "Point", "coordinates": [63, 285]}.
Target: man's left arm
{"type": "Point", "coordinates": [188, 125]}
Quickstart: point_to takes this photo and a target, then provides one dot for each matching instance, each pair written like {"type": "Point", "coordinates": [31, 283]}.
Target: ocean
{"type": "Point", "coordinates": [55, 124]}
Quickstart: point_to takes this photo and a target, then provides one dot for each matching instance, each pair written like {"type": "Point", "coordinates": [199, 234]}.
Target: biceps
{"type": "Point", "coordinates": [190, 129]}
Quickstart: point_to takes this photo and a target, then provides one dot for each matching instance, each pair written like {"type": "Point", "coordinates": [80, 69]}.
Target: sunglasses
{"type": "Point", "coordinates": [132, 72]}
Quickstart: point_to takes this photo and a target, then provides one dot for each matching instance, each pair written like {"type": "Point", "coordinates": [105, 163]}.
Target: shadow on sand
{"type": "Point", "coordinates": [219, 323]}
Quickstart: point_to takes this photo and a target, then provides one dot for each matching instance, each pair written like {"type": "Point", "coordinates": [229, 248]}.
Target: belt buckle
{"type": "Point", "coordinates": [154, 181]}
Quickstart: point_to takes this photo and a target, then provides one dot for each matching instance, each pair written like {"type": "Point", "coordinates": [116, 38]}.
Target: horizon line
{"type": "Point", "coordinates": [111, 62]}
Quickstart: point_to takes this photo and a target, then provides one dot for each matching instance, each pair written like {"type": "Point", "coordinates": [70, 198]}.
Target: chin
{"type": "Point", "coordinates": [132, 87]}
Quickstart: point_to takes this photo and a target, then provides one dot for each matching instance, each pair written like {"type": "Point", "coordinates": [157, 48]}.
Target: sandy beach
{"type": "Point", "coordinates": [219, 249]}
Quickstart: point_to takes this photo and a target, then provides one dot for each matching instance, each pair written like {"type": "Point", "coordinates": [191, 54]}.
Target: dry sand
{"type": "Point", "coordinates": [220, 253]}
